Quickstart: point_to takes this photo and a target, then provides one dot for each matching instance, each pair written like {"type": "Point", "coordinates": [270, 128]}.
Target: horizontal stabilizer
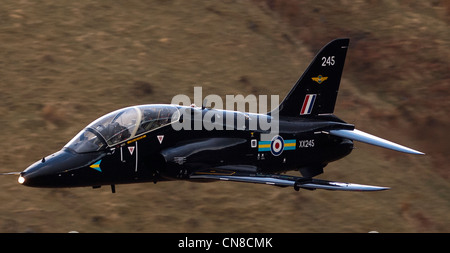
{"type": "Point", "coordinates": [361, 136]}
{"type": "Point", "coordinates": [296, 182]}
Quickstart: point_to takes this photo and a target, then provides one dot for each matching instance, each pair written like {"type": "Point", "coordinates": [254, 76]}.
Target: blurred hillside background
{"type": "Point", "coordinates": [65, 63]}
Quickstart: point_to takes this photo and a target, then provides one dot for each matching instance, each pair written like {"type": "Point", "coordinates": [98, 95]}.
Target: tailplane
{"type": "Point", "coordinates": [316, 91]}
{"type": "Point", "coordinates": [361, 136]}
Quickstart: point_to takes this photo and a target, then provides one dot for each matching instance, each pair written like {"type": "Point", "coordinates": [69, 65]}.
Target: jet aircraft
{"type": "Point", "coordinates": [140, 143]}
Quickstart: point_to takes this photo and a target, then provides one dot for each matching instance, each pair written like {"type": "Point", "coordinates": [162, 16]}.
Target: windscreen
{"type": "Point", "coordinates": [122, 125]}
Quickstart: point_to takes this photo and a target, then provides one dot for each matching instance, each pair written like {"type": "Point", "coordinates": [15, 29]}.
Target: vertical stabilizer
{"type": "Point", "coordinates": [316, 91]}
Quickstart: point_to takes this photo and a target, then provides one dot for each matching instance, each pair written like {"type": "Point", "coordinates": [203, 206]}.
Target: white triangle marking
{"type": "Point", "coordinates": [131, 149]}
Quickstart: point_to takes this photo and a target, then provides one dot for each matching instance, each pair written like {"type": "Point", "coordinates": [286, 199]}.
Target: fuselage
{"type": "Point", "coordinates": [194, 140]}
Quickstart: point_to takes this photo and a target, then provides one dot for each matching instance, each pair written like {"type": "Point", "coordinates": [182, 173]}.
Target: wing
{"type": "Point", "coordinates": [281, 180]}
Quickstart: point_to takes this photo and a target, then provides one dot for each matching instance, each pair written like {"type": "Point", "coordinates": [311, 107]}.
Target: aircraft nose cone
{"type": "Point", "coordinates": [29, 179]}
{"type": "Point", "coordinates": [47, 172]}
{"type": "Point", "coordinates": [39, 173]}
{"type": "Point", "coordinates": [36, 175]}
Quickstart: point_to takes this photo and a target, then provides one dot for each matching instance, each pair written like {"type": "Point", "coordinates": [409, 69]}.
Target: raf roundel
{"type": "Point", "coordinates": [277, 145]}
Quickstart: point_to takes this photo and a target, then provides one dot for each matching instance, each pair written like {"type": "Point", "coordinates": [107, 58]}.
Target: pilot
{"type": "Point", "coordinates": [116, 132]}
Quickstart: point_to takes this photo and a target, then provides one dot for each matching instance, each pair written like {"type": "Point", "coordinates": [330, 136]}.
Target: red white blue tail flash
{"type": "Point", "coordinates": [308, 104]}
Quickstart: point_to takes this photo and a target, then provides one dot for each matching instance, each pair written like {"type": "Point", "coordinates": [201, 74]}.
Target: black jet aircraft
{"type": "Point", "coordinates": [140, 143]}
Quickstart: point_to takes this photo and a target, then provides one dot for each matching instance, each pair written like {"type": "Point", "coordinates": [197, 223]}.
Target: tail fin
{"type": "Point", "coordinates": [316, 91]}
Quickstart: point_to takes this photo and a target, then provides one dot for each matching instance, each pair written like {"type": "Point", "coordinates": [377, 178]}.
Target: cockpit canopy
{"type": "Point", "coordinates": [122, 125]}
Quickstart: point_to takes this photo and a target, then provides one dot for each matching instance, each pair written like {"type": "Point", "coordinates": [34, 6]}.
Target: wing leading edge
{"type": "Point", "coordinates": [285, 181]}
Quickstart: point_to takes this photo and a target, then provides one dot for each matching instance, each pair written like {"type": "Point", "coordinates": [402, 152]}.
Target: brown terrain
{"type": "Point", "coordinates": [65, 63]}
